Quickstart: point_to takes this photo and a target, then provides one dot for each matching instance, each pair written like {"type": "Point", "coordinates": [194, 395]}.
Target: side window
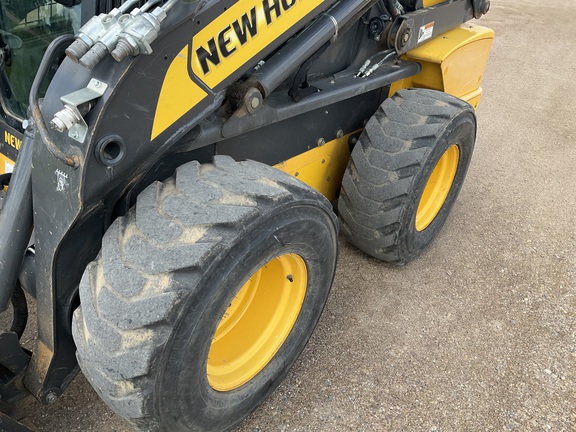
{"type": "Point", "coordinates": [26, 29]}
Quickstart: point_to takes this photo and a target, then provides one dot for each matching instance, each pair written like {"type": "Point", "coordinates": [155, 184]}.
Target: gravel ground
{"type": "Point", "coordinates": [480, 332]}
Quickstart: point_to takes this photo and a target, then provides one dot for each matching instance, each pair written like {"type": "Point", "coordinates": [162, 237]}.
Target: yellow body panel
{"type": "Point", "coordinates": [6, 165]}
{"type": "Point", "coordinates": [321, 168]}
{"type": "Point", "coordinates": [178, 95]}
{"type": "Point", "coordinates": [453, 63]}
{"type": "Point", "coordinates": [428, 3]}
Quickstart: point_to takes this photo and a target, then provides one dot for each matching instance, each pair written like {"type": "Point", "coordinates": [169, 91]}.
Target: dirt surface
{"type": "Point", "coordinates": [480, 332]}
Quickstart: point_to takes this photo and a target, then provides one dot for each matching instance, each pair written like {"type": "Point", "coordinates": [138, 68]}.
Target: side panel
{"type": "Point", "coordinates": [6, 165]}
{"type": "Point", "coordinates": [453, 63]}
{"type": "Point", "coordinates": [10, 143]}
{"type": "Point", "coordinates": [321, 168]}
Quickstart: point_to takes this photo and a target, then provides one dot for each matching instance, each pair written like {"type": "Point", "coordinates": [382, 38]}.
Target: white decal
{"type": "Point", "coordinates": [61, 181]}
{"type": "Point", "coordinates": [426, 32]}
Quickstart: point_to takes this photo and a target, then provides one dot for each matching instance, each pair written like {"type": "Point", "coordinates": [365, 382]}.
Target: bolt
{"type": "Point", "coordinates": [252, 100]}
{"type": "Point", "coordinates": [321, 142]}
{"type": "Point", "coordinates": [290, 278]}
{"type": "Point", "coordinates": [296, 174]}
{"type": "Point", "coordinates": [96, 83]}
{"type": "Point", "coordinates": [340, 133]}
{"type": "Point", "coordinates": [354, 140]}
{"type": "Point", "coordinates": [74, 134]}
{"type": "Point", "coordinates": [25, 124]}
{"type": "Point", "coordinates": [51, 397]}
{"type": "Point", "coordinates": [406, 37]}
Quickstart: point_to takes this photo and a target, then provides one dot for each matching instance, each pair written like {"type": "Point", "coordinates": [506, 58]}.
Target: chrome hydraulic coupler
{"type": "Point", "coordinates": [139, 34]}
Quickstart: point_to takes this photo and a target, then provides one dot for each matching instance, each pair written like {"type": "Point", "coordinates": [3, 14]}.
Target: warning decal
{"type": "Point", "coordinates": [426, 32]}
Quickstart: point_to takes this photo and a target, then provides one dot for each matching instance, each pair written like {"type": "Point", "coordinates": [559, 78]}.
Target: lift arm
{"type": "Point", "coordinates": [413, 29]}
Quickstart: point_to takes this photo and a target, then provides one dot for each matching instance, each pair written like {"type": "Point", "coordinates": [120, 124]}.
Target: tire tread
{"type": "Point", "coordinates": [384, 165]}
{"type": "Point", "coordinates": [128, 299]}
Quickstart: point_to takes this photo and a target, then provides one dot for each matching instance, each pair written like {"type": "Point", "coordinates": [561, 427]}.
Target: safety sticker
{"type": "Point", "coordinates": [8, 167]}
{"type": "Point", "coordinates": [426, 32]}
{"type": "Point", "coordinates": [61, 181]}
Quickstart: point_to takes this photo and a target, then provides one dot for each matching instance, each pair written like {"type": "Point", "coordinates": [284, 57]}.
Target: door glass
{"type": "Point", "coordinates": [26, 29]}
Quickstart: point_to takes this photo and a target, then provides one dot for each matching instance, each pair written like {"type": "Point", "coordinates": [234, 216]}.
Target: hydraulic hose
{"type": "Point", "coordinates": [395, 8]}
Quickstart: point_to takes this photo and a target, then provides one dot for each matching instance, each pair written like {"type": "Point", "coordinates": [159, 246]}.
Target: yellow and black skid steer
{"type": "Point", "coordinates": [175, 174]}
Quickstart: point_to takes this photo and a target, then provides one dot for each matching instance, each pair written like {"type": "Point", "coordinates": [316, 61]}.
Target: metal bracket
{"type": "Point", "coordinates": [76, 105]}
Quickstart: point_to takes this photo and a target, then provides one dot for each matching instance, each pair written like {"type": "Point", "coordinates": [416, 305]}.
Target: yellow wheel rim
{"type": "Point", "coordinates": [257, 322]}
{"type": "Point", "coordinates": [437, 188]}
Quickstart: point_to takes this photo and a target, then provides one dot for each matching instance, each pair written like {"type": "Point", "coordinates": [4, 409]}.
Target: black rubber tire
{"type": "Point", "coordinates": [167, 271]}
{"type": "Point", "coordinates": [390, 167]}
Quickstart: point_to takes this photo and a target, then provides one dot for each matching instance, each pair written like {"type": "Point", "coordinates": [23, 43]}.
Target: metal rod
{"type": "Point", "coordinates": [57, 44]}
{"type": "Point", "coordinates": [126, 6]}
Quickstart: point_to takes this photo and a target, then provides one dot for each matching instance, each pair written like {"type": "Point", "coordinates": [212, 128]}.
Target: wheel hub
{"type": "Point", "coordinates": [257, 322]}
{"type": "Point", "coordinates": [437, 188]}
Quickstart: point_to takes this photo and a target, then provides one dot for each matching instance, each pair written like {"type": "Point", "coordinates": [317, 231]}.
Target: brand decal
{"type": "Point", "coordinates": [246, 25]}
{"type": "Point", "coordinates": [240, 33]}
{"type": "Point", "coordinates": [237, 34]}
{"type": "Point", "coordinates": [12, 141]}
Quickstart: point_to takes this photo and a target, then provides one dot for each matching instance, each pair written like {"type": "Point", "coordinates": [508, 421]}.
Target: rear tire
{"type": "Point", "coordinates": [166, 281]}
{"type": "Point", "coordinates": [405, 173]}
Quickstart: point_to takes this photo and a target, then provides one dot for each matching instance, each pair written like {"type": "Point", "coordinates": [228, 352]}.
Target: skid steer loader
{"type": "Point", "coordinates": [172, 171]}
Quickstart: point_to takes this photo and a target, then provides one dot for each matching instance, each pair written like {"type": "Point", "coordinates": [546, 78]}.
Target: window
{"type": "Point", "coordinates": [27, 28]}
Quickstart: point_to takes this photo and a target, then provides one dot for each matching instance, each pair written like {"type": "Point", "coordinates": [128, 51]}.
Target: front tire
{"type": "Point", "coordinates": [204, 295]}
